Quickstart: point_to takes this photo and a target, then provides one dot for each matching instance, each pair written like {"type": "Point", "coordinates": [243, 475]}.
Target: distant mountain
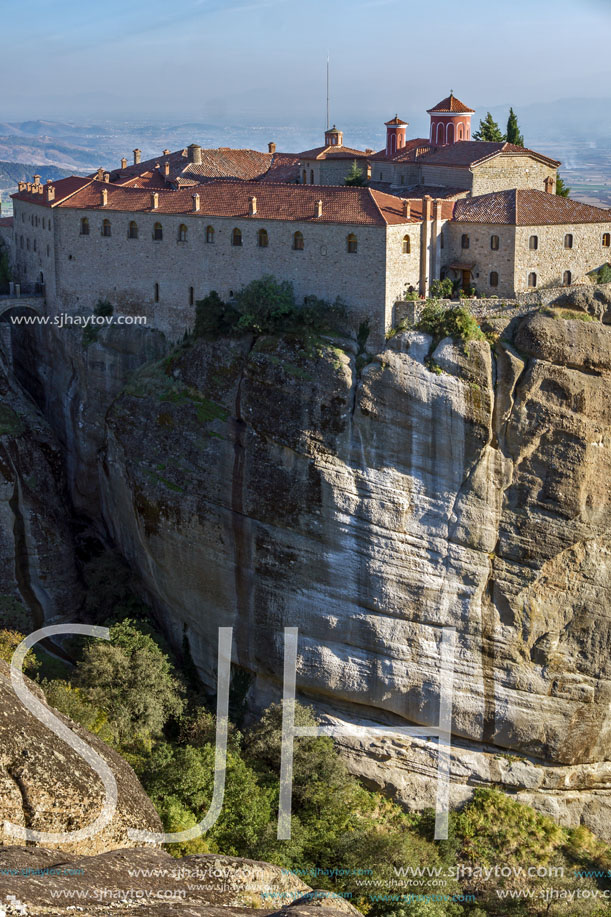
{"type": "Point", "coordinates": [13, 172]}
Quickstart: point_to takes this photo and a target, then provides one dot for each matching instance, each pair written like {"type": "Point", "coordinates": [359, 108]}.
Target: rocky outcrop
{"type": "Point", "coordinates": [157, 885]}
{"type": "Point", "coordinates": [259, 485]}
{"type": "Point", "coordinates": [46, 786]}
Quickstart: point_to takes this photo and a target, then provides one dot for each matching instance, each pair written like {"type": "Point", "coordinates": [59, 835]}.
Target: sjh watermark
{"type": "Point", "coordinates": [290, 732]}
{"type": "Point", "coordinates": [67, 319]}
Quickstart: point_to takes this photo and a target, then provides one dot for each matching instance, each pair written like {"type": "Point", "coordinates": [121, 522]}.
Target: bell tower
{"type": "Point", "coordinates": [395, 135]}
{"type": "Point", "coordinates": [333, 137]}
{"type": "Point", "coordinates": [450, 121]}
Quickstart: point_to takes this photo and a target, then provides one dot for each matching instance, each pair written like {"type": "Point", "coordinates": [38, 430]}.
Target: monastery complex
{"type": "Point", "coordinates": [154, 236]}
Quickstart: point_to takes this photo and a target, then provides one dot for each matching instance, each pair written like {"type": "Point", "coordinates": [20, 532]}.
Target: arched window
{"type": "Point", "coordinates": [298, 242]}
{"type": "Point", "coordinates": [439, 134]}
{"type": "Point", "coordinates": [311, 176]}
{"type": "Point", "coordinates": [191, 296]}
{"type": "Point", "coordinates": [568, 240]}
{"type": "Point", "coordinates": [532, 280]}
{"type": "Point", "coordinates": [210, 234]}
{"type": "Point", "coordinates": [494, 279]}
{"type": "Point", "coordinates": [606, 239]}
{"type": "Point", "coordinates": [460, 134]}
{"type": "Point", "coordinates": [106, 228]}
{"type": "Point", "coordinates": [182, 233]}
{"type": "Point", "coordinates": [352, 244]}
{"type": "Point", "coordinates": [132, 232]}
{"type": "Point", "coordinates": [464, 242]}
{"type": "Point", "coordinates": [304, 177]}
{"type": "Point", "coordinates": [533, 243]}
{"type": "Point", "coordinates": [34, 245]}
{"type": "Point", "coordinates": [406, 245]}
{"type": "Point", "coordinates": [450, 133]}
{"type": "Point", "coordinates": [156, 292]}
{"type": "Point", "coordinates": [28, 243]}
{"type": "Point", "coordinates": [48, 250]}
{"type": "Point", "coordinates": [236, 236]}
{"type": "Point", "coordinates": [441, 241]}
{"type": "Point", "coordinates": [84, 226]}
{"type": "Point", "coordinates": [567, 279]}
{"type": "Point", "coordinates": [157, 232]}
{"type": "Point", "coordinates": [262, 238]}
{"type": "Point", "coordinates": [495, 243]}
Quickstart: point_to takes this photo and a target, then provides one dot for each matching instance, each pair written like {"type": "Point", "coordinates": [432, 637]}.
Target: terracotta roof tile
{"type": "Point", "coordinates": [64, 188]}
{"type": "Point", "coordinates": [466, 153]}
{"type": "Point", "coordinates": [332, 152]}
{"type": "Point", "coordinates": [412, 151]}
{"type": "Point", "coordinates": [451, 105]}
{"type": "Point", "coordinates": [274, 202]}
{"type": "Point", "coordinates": [395, 120]}
{"type": "Point", "coordinates": [527, 207]}
{"type": "Point", "coordinates": [220, 163]}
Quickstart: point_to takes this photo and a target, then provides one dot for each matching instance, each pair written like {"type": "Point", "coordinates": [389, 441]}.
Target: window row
{"type": "Point", "coordinates": [236, 236]}
{"type": "Point", "coordinates": [533, 242]}
{"type": "Point", "coordinates": [32, 245]}
{"type": "Point", "coordinates": [567, 279]}
{"type": "Point", "coordinates": [37, 220]}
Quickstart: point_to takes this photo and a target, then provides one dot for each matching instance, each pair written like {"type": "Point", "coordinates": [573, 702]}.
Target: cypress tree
{"type": "Point", "coordinates": [355, 176]}
{"type": "Point", "coordinates": [488, 130]}
{"type": "Point", "coordinates": [513, 131]}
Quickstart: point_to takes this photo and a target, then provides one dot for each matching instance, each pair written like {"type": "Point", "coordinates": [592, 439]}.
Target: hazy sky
{"type": "Point", "coordinates": [264, 60]}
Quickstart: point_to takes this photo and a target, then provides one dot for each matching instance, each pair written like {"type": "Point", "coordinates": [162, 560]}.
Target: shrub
{"type": "Point", "coordinates": [442, 289]}
{"type": "Point", "coordinates": [604, 274]}
{"type": "Point", "coordinates": [103, 307]}
{"type": "Point", "coordinates": [457, 322]}
{"type": "Point", "coordinates": [9, 641]}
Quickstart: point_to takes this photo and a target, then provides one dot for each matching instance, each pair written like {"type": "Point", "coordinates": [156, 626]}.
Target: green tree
{"type": "Point", "coordinates": [513, 131]}
{"type": "Point", "coordinates": [355, 177]}
{"type": "Point", "coordinates": [561, 188]}
{"type": "Point", "coordinates": [488, 130]}
{"type": "Point", "coordinates": [9, 641]}
{"type": "Point", "coordinates": [132, 680]}
{"type": "Point", "coordinates": [213, 316]}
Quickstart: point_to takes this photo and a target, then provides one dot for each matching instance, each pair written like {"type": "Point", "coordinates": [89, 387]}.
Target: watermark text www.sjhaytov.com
{"type": "Point", "coordinates": [68, 320]}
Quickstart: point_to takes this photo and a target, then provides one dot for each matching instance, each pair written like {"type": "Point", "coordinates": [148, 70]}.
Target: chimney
{"type": "Point", "coordinates": [318, 210]}
{"type": "Point", "coordinates": [154, 200]}
{"type": "Point", "coordinates": [137, 155]}
{"type": "Point", "coordinates": [550, 185]}
{"type": "Point", "coordinates": [21, 186]}
{"type": "Point", "coordinates": [166, 168]}
{"type": "Point", "coordinates": [99, 174]}
{"type": "Point", "coordinates": [426, 207]}
{"type": "Point", "coordinates": [252, 206]}
{"type": "Point", "coordinates": [195, 202]}
{"type": "Point", "coordinates": [438, 204]}
{"type": "Point", "coordinates": [106, 177]}
{"type": "Point", "coordinates": [271, 147]}
{"type": "Point", "coordinates": [407, 210]}
{"type": "Point", "coordinates": [37, 179]}
{"type": "Point", "coordinates": [104, 194]}
{"type": "Point", "coordinates": [124, 163]}
{"type": "Point", "coordinates": [50, 192]}
{"type": "Point", "coordinates": [165, 152]}
{"type": "Point", "coordinates": [195, 154]}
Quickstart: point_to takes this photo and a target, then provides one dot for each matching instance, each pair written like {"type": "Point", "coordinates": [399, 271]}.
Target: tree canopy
{"type": "Point", "coordinates": [355, 177]}
{"type": "Point", "coordinates": [513, 131]}
{"type": "Point", "coordinates": [488, 130]}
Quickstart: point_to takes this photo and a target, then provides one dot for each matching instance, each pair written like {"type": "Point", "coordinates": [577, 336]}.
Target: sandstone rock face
{"type": "Point", "coordinates": [46, 786]}
{"type": "Point", "coordinates": [38, 578]}
{"type": "Point", "coordinates": [253, 485]}
{"type": "Point", "coordinates": [156, 884]}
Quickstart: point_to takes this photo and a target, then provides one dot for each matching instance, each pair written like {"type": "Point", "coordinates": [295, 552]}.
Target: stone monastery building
{"type": "Point", "coordinates": [154, 236]}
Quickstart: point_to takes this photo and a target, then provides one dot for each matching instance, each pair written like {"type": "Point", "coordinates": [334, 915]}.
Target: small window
{"type": "Point", "coordinates": [48, 250]}
{"type": "Point", "coordinates": [304, 177]}
{"type": "Point", "coordinates": [406, 246]}
{"type": "Point", "coordinates": [311, 176]}
{"type": "Point", "coordinates": [441, 240]}
{"type": "Point", "coordinates": [106, 228]}
{"type": "Point", "coordinates": [494, 279]}
{"type": "Point", "coordinates": [182, 233]}
{"type": "Point", "coordinates": [352, 244]}
{"type": "Point", "coordinates": [606, 239]}
{"type": "Point", "coordinates": [34, 246]}
{"type": "Point", "coordinates": [209, 234]}
{"type": "Point", "coordinates": [28, 243]}
{"type": "Point", "coordinates": [568, 240]}
{"type": "Point", "coordinates": [132, 232]}
{"type": "Point", "coordinates": [298, 242]}
{"type": "Point", "coordinates": [22, 241]}
{"type": "Point", "coordinates": [191, 296]}
{"type": "Point", "coordinates": [532, 279]}
{"type": "Point", "coordinates": [464, 242]}
{"type": "Point", "coordinates": [533, 243]}
{"type": "Point", "coordinates": [236, 237]}
{"type": "Point", "coordinates": [156, 292]}
{"type": "Point", "coordinates": [157, 232]}
{"type": "Point", "coordinates": [567, 279]}
{"type": "Point", "coordinates": [262, 238]}
{"type": "Point", "coordinates": [495, 243]}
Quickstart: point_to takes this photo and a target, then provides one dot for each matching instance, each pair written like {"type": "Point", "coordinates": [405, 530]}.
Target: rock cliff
{"type": "Point", "coordinates": [256, 484]}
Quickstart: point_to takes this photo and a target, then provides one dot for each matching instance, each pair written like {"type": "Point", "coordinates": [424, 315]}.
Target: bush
{"type": "Point", "coordinates": [267, 306]}
{"type": "Point", "coordinates": [9, 641]}
{"type": "Point", "coordinates": [604, 274]}
{"type": "Point", "coordinates": [103, 307]}
{"type": "Point", "coordinates": [457, 323]}
{"type": "Point", "coordinates": [442, 289]}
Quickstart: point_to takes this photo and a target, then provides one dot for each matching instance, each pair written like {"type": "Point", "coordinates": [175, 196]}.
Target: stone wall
{"type": "Point", "coordinates": [447, 176]}
{"type": "Point", "coordinates": [504, 172]}
{"type": "Point", "coordinates": [34, 245]}
{"type": "Point", "coordinates": [551, 259]}
{"type": "Point", "coordinates": [402, 269]}
{"type": "Point", "coordinates": [481, 255]}
{"type": "Point", "coordinates": [328, 171]}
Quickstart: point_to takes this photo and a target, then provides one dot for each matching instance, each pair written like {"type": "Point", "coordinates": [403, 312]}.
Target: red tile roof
{"type": "Point", "coordinates": [450, 104]}
{"type": "Point", "coordinates": [527, 207]}
{"type": "Point", "coordinates": [333, 152]}
{"type": "Point", "coordinates": [221, 163]}
{"type": "Point", "coordinates": [64, 188]}
{"type": "Point", "coordinates": [412, 151]}
{"type": "Point", "coordinates": [466, 153]}
{"type": "Point", "coordinates": [395, 120]}
{"type": "Point", "coordinates": [274, 202]}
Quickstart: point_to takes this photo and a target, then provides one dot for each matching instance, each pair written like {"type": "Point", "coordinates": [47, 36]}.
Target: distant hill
{"type": "Point", "coordinates": [13, 172]}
